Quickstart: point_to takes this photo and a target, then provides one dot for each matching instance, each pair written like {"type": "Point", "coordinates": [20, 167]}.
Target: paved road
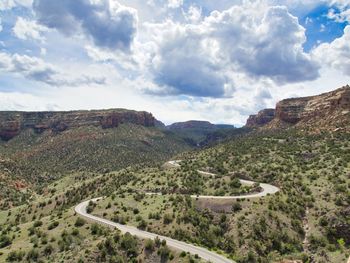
{"type": "Point", "coordinates": [201, 252]}
{"type": "Point", "coordinates": [266, 188]}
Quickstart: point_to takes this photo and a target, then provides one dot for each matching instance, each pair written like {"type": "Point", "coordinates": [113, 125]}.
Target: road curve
{"type": "Point", "coordinates": [201, 252]}
{"type": "Point", "coordinates": [267, 189]}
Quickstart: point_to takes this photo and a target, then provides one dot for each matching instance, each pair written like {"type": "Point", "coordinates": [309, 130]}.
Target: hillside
{"type": "Point", "coordinates": [329, 111]}
{"type": "Point", "coordinates": [43, 147]}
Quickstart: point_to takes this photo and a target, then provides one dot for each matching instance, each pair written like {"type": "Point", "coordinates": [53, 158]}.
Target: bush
{"type": "Point", "coordinates": [149, 245]}
{"type": "Point", "coordinates": [164, 252]}
{"type": "Point", "coordinates": [142, 224]}
{"type": "Point", "coordinates": [32, 255]}
{"type": "Point", "coordinates": [79, 222]}
{"type": "Point", "coordinates": [53, 225]}
{"type": "Point", "coordinates": [5, 241]}
{"type": "Point", "coordinates": [15, 256]}
{"type": "Point", "coordinates": [96, 229]}
{"type": "Point", "coordinates": [129, 244]}
{"type": "Point", "coordinates": [136, 211]}
{"type": "Point", "coordinates": [37, 223]}
{"type": "Point", "coordinates": [75, 232]}
{"type": "Point", "coordinates": [167, 219]}
{"type": "Point", "coordinates": [236, 207]}
{"type": "Point", "coordinates": [48, 250]}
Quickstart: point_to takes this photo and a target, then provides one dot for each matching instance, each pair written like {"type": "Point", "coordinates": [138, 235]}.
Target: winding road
{"type": "Point", "coordinates": [179, 245]}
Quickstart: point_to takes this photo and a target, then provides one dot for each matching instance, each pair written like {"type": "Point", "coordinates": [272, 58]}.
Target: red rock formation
{"type": "Point", "coordinates": [263, 117]}
{"type": "Point", "coordinates": [328, 111]}
{"type": "Point", "coordinates": [12, 123]}
{"type": "Point", "coordinates": [9, 129]}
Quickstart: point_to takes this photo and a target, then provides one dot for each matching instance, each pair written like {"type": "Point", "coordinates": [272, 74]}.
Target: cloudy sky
{"type": "Point", "coordinates": [179, 59]}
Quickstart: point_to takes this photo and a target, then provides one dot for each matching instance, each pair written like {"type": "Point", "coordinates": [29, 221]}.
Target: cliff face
{"type": "Point", "coordinates": [263, 117]}
{"type": "Point", "coordinates": [328, 111]}
{"type": "Point", "coordinates": [12, 123]}
{"type": "Point", "coordinates": [304, 109]}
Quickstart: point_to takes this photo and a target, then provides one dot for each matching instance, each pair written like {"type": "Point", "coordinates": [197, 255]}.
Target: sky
{"type": "Point", "coordinates": [179, 59]}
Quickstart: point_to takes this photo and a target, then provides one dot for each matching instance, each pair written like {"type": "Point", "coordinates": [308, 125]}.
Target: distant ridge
{"type": "Point", "coordinates": [12, 123]}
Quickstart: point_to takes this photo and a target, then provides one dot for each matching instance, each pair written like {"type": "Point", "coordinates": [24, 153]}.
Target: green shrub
{"type": "Point", "coordinates": [79, 222]}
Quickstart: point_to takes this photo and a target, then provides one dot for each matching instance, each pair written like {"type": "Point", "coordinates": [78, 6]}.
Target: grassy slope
{"type": "Point", "coordinates": [39, 159]}
{"type": "Point", "coordinates": [312, 171]}
{"type": "Point", "coordinates": [67, 245]}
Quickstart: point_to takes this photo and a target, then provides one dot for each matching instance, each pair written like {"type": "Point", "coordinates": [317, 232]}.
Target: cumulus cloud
{"type": "Point", "coordinates": [36, 69]}
{"type": "Point", "coordinates": [264, 44]}
{"type": "Point", "coordinates": [28, 29]}
{"type": "Point", "coordinates": [183, 63]}
{"type": "Point", "coordinates": [109, 24]}
{"type": "Point", "coordinates": [337, 53]}
{"type": "Point", "coordinates": [204, 59]}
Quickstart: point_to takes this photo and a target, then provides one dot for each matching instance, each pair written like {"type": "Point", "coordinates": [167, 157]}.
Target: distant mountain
{"type": "Point", "coordinates": [199, 133]}
{"type": "Point", "coordinates": [327, 111]}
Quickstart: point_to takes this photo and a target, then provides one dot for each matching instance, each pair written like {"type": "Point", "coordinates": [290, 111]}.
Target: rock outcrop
{"type": "Point", "coordinates": [327, 111]}
{"type": "Point", "coordinates": [303, 109]}
{"type": "Point", "coordinates": [263, 117]}
{"type": "Point", "coordinates": [13, 123]}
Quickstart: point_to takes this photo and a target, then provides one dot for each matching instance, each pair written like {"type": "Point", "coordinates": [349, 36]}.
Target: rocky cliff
{"type": "Point", "coordinates": [327, 111]}
{"type": "Point", "coordinates": [263, 117]}
{"type": "Point", "coordinates": [13, 123]}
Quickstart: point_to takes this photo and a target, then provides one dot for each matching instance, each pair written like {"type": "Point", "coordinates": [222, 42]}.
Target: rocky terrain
{"type": "Point", "coordinates": [13, 123]}
{"type": "Point", "coordinates": [327, 111]}
{"type": "Point", "coordinates": [263, 117]}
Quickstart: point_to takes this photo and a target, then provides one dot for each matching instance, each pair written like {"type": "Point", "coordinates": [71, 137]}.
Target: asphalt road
{"type": "Point", "coordinates": [267, 189]}
{"type": "Point", "coordinates": [201, 252]}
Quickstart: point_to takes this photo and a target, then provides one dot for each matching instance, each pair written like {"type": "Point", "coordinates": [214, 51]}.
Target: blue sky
{"type": "Point", "coordinates": [319, 28]}
{"type": "Point", "coordinates": [179, 59]}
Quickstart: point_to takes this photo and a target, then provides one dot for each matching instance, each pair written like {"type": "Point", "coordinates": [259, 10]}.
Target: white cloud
{"type": "Point", "coordinates": [264, 42]}
{"type": "Point", "coordinates": [9, 4]}
{"type": "Point", "coordinates": [28, 29]}
{"type": "Point", "coordinates": [109, 24]}
{"type": "Point", "coordinates": [204, 59]}
{"type": "Point", "coordinates": [0, 25]}
{"type": "Point", "coordinates": [194, 14]}
{"type": "Point", "coordinates": [175, 3]}
{"type": "Point", "coordinates": [184, 62]}
{"type": "Point", "coordinates": [337, 53]}
{"type": "Point", "coordinates": [36, 69]}
{"type": "Point", "coordinates": [342, 14]}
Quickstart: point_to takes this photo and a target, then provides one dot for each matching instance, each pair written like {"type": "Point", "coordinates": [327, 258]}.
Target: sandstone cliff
{"type": "Point", "coordinates": [13, 123]}
{"type": "Point", "coordinates": [263, 117]}
{"type": "Point", "coordinates": [327, 111]}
